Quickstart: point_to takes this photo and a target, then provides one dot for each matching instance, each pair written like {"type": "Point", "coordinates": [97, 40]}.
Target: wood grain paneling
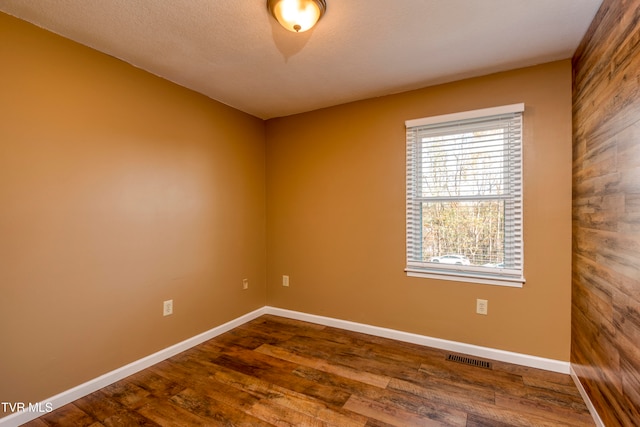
{"type": "Point", "coordinates": [606, 213]}
{"type": "Point", "coordinates": [282, 372]}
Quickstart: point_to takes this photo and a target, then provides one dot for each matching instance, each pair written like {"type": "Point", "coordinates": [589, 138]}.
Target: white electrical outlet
{"type": "Point", "coordinates": [167, 308]}
{"type": "Point", "coordinates": [285, 280]}
{"type": "Point", "coordinates": [245, 283]}
{"type": "Point", "coordinates": [482, 306]}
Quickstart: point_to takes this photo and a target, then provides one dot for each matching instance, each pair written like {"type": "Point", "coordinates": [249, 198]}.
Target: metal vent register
{"type": "Point", "coordinates": [468, 361]}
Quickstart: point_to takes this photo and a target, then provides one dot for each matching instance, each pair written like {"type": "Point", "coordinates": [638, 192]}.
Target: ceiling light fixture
{"type": "Point", "coordinates": [297, 15]}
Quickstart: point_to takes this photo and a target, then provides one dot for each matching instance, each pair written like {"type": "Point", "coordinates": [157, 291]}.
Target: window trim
{"type": "Point", "coordinates": [473, 274]}
{"type": "Point", "coordinates": [459, 275]}
{"type": "Point", "coordinates": [465, 115]}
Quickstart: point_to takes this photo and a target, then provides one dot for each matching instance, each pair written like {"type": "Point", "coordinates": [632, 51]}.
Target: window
{"type": "Point", "coordinates": [464, 196]}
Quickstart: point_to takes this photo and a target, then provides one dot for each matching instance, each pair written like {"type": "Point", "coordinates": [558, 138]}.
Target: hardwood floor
{"type": "Point", "coordinates": [282, 372]}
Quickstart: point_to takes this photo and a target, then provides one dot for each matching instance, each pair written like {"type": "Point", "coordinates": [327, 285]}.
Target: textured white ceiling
{"type": "Point", "coordinates": [233, 51]}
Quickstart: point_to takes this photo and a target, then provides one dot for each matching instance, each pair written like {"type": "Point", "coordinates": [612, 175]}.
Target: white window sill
{"type": "Point", "coordinates": [460, 276]}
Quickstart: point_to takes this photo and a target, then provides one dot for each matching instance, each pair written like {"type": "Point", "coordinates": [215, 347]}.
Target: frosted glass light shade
{"type": "Point", "coordinates": [297, 15]}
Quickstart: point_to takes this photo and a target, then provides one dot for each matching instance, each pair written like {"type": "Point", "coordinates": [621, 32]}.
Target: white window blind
{"type": "Point", "coordinates": [464, 196]}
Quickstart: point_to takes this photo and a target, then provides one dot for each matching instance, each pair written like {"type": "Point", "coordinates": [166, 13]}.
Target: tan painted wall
{"type": "Point", "coordinates": [336, 206]}
{"type": "Point", "coordinates": [118, 190]}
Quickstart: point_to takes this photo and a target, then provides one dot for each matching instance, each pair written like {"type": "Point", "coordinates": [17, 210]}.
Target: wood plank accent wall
{"type": "Point", "coordinates": [605, 349]}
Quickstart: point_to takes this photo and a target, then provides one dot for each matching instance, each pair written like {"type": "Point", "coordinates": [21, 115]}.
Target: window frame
{"type": "Point", "coordinates": [513, 277]}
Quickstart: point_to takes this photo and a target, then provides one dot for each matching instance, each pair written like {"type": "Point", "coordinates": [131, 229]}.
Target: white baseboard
{"type": "Point", "coordinates": [102, 381]}
{"type": "Point", "coordinates": [68, 396]}
{"type": "Point", "coordinates": [587, 400]}
{"type": "Point", "coordinates": [458, 347]}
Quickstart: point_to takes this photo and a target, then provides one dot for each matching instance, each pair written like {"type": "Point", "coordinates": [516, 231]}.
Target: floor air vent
{"type": "Point", "coordinates": [468, 361]}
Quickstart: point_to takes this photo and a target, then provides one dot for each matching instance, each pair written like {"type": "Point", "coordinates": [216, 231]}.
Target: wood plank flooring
{"type": "Point", "coordinates": [274, 371]}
